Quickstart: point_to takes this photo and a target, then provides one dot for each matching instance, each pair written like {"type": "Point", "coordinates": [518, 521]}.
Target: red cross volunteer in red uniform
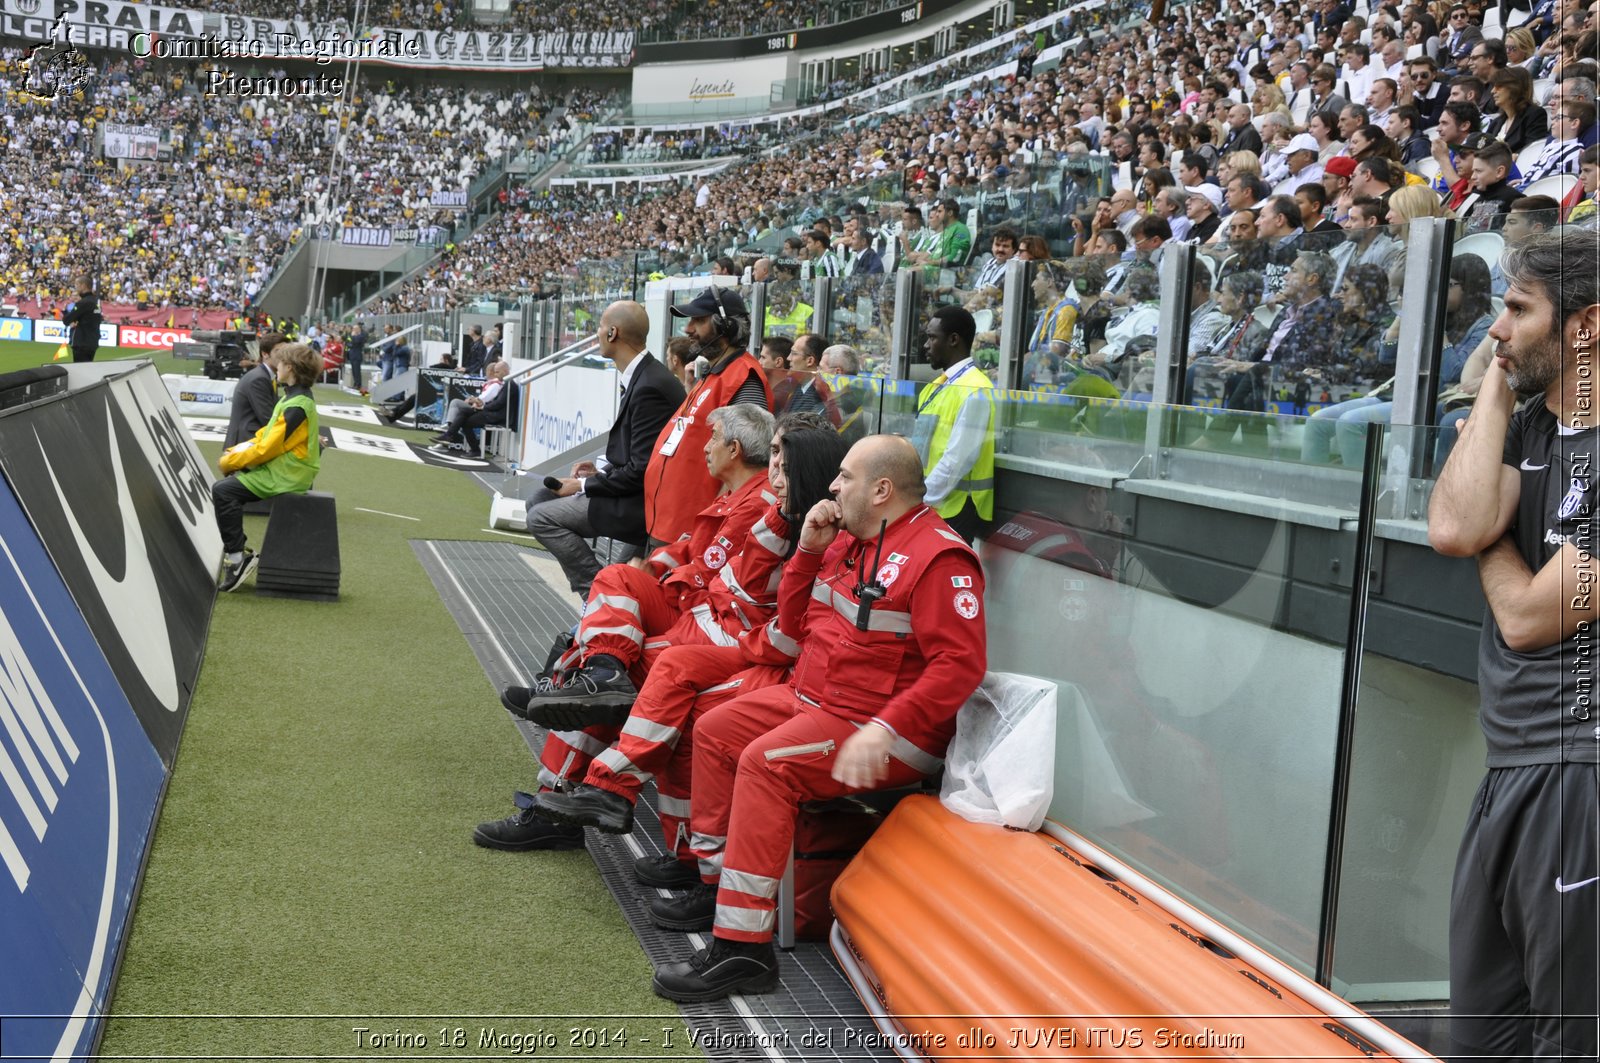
{"type": "Point", "coordinates": [676, 486]}
{"type": "Point", "coordinates": [871, 704]}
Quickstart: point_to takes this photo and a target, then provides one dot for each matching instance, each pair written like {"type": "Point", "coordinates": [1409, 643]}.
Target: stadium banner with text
{"type": "Point", "coordinates": [693, 87]}
{"type": "Point", "coordinates": [567, 409]}
{"type": "Point", "coordinates": [131, 141]}
{"type": "Point", "coordinates": [145, 579]}
{"type": "Point", "coordinates": [16, 328]}
{"type": "Point", "coordinates": [153, 338]}
{"type": "Point", "coordinates": [437, 388]}
{"type": "Point", "coordinates": [184, 33]}
{"type": "Point", "coordinates": [79, 810]}
{"type": "Point", "coordinates": [366, 236]}
{"type": "Point", "coordinates": [55, 333]}
{"type": "Point", "coordinates": [843, 33]}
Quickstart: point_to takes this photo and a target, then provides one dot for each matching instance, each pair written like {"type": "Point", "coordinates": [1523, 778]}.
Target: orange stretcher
{"type": "Point", "coordinates": [968, 941]}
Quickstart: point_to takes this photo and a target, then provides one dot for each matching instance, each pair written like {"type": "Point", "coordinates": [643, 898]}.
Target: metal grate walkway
{"type": "Point", "coordinates": [510, 616]}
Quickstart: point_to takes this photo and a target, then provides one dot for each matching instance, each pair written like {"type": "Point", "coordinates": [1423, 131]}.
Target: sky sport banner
{"type": "Point", "coordinates": [76, 811]}
{"type": "Point", "coordinates": [122, 501]}
{"type": "Point", "coordinates": [185, 34]}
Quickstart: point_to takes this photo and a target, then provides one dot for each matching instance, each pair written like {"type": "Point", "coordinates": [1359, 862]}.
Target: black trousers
{"type": "Point", "coordinates": [968, 524]}
{"type": "Point", "coordinates": [230, 497]}
{"type": "Point", "coordinates": [84, 354]}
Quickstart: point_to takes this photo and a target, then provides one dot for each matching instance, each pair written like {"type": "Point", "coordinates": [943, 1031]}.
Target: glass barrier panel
{"type": "Point", "coordinates": [1198, 649]}
{"type": "Point", "coordinates": [1418, 750]}
{"type": "Point", "coordinates": [789, 310]}
{"type": "Point", "coordinates": [862, 314]}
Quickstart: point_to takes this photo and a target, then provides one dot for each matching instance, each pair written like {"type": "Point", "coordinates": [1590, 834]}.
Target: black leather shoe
{"type": "Point", "coordinates": [689, 912]}
{"type": "Point", "coordinates": [723, 969]}
{"type": "Point", "coordinates": [527, 830]}
{"type": "Point", "coordinates": [587, 806]}
{"type": "Point", "coordinates": [666, 872]}
{"type": "Point", "coordinates": [591, 697]}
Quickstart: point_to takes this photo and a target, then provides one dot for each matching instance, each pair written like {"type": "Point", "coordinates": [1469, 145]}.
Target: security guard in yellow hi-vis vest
{"type": "Point", "coordinates": [954, 432]}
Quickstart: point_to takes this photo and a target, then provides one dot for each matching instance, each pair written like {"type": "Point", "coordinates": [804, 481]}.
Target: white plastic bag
{"type": "Point", "coordinates": [1000, 767]}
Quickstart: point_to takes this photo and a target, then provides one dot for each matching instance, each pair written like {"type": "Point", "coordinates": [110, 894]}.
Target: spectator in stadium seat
{"type": "Point", "coordinates": [1304, 334]}
{"type": "Point", "coordinates": [774, 359]}
{"type": "Point", "coordinates": [608, 498]}
{"type": "Point", "coordinates": [1491, 171]}
{"type": "Point", "coordinates": [281, 458]}
{"type": "Point", "coordinates": [1366, 242]}
{"type": "Point", "coordinates": [494, 350]}
{"type": "Point", "coordinates": [1520, 121]}
{"type": "Point", "coordinates": [489, 408]}
{"type": "Point", "coordinates": [679, 362]}
{"type": "Point", "coordinates": [254, 396]}
{"type": "Point", "coordinates": [1562, 148]}
{"type": "Point", "coordinates": [811, 394]}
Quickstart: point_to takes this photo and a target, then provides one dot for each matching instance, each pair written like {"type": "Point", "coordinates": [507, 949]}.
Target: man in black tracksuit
{"type": "Point", "coordinates": [1519, 493]}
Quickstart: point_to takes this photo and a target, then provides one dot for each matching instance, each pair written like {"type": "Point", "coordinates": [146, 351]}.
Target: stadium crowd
{"type": "Point", "coordinates": [203, 226]}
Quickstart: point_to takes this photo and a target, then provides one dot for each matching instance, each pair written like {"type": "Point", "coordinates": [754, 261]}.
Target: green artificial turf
{"type": "Point", "coordinates": [313, 856]}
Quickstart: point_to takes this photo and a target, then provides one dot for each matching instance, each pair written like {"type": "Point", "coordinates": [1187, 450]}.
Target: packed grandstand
{"type": "Point", "coordinates": [1211, 249]}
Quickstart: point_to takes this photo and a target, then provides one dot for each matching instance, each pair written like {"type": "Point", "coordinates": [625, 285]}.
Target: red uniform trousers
{"type": "Point", "coordinates": [630, 617]}
{"type": "Point", "coordinates": [756, 759]}
{"type": "Point", "coordinates": [685, 682]}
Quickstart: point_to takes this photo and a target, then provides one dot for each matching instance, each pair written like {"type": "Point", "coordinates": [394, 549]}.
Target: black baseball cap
{"type": "Point", "coordinates": [706, 305]}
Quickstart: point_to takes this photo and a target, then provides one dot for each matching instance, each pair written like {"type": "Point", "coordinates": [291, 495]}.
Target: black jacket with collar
{"type": "Point", "coordinates": [616, 496]}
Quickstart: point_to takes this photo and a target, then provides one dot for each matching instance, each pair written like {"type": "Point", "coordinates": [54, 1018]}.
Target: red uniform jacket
{"type": "Point", "coordinates": [925, 650]}
{"type": "Point", "coordinates": [691, 566]}
{"type": "Point", "coordinates": [676, 484]}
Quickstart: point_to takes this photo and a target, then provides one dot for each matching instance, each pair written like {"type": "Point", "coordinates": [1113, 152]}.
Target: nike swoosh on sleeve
{"type": "Point", "coordinates": [134, 601]}
{"type": "Point", "coordinates": [1570, 886]}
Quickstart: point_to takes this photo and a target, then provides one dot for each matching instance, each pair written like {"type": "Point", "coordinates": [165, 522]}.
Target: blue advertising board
{"type": "Point", "coordinates": [79, 786]}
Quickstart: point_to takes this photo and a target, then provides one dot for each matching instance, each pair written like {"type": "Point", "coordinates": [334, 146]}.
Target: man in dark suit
{"type": "Point", "coordinates": [83, 316]}
{"type": "Point", "coordinates": [254, 396]}
{"type": "Point", "coordinates": [476, 355]}
{"type": "Point", "coordinates": [608, 499]}
{"type": "Point", "coordinates": [1242, 135]}
{"type": "Point", "coordinates": [491, 407]}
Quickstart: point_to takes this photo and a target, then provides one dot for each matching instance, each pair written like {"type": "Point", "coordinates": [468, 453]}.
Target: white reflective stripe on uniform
{"type": "Point", "coordinates": [732, 583]}
{"type": "Point", "coordinates": [616, 601]}
{"type": "Point", "coordinates": [710, 866]}
{"type": "Point", "coordinates": [619, 764]}
{"type": "Point", "coordinates": [706, 844]}
{"type": "Point", "coordinates": [651, 731]}
{"type": "Point", "coordinates": [732, 684]}
{"type": "Point", "coordinates": [658, 644]}
{"type": "Point", "coordinates": [672, 806]}
{"type": "Point", "coordinates": [583, 743]}
{"type": "Point", "coordinates": [975, 485]}
{"type": "Point", "coordinates": [627, 631]}
{"type": "Point", "coordinates": [769, 498]}
{"type": "Point", "coordinates": [781, 642]}
{"type": "Point", "coordinates": [748, 920]}
{"type": "Point", "coordinates": [910, 755]}
{"type": "Point", "coordinates": [710, 628]}
{"type": "Point", "coordinates": [889, 620]}
{"type": "Point", "coordinates": [745, 882]}
{"type": "Point", "coordinates": [549, 779]}
{"type": "Point", "coordinates": [953, 537]}
{"type": "Point", "coordinates": [824, 746]}
{"type": "Point", "coordinates": [769, 539]}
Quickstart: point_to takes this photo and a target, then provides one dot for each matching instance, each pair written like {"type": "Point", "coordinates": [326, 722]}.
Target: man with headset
{"type": "Point", "coordinates": [676, 483]}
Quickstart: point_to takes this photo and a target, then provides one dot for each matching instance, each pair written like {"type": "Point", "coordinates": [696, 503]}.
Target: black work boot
{"type": "Point", "coordinates": [587, 806]}
{"type": "Point", "coordinates": [666, 872]}
{"type": "Point", "coordinates": [723, 969]}
{"type": "Point", "coordinates": [690, 911]}
{"type": "Point", "coordinates": [526, 830]}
